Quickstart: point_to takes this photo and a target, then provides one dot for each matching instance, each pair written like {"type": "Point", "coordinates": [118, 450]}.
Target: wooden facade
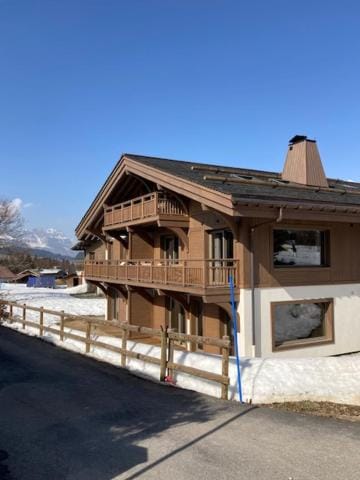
{"type": "Point", "coordinates": [163, 239]}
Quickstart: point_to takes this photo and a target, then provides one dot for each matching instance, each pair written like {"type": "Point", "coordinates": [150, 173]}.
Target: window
{"type": "Point", "coordinates": [222, 253]}
{"type": "Point", "coordinates": [109, 251]}
{"type": "Point", "coordinates": [114, 305]}
{"type": "Point", "coordinates": [300, 248]}
{"type": "Point", "coordinates": [176, 315]}
{"type": "Point", "coordinates": [170, 247]}
{"type": "Point", "coordinates": [199, 327]}
{"type": "Point", "coordinates": [222, 242]}
{"type": "Point", "coordinates": [301, 323]}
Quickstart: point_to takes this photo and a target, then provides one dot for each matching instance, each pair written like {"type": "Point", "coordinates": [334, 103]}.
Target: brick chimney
{"type": "Point", "coordinates": [303, 163]}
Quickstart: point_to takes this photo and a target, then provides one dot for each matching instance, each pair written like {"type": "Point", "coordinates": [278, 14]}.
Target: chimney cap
{"type": "Point", "coordinates": [297, 139]}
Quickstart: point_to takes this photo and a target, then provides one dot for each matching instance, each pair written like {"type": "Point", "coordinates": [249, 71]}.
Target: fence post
{"type": "Point", "coordinates": [123, 347]}
{"type": "Point", "coordinates": [170, 371]}
{"type": "Point", "coordinates": [163, 354]}
{"type": "Point", "coordinates": [10, 313]}
{"type": "Point", "coordinates": [62, 325]}
{"type": "Point", "coordinates": [41, 325]}
{"type": "Point", "coordinates": [24, 316]}
{"type": "Point", "coordinates": [225, 369]}
{"type": "Point", "coordinates": [88, 340]}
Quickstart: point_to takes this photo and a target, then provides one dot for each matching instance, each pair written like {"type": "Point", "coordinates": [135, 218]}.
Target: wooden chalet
{"type": "Point", "coordinates": [6, 275]}
{"type": "Point", "coordinates": [163, 237]}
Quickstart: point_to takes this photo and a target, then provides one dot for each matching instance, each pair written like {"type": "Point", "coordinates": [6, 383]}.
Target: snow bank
{"type": "Point", "coordinates": [333, 379]}
{"type": "Point", "coordinates": [265, 380]}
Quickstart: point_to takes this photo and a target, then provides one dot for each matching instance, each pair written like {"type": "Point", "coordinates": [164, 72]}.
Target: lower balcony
{"type": "Point", "coordinates": [199, 277]}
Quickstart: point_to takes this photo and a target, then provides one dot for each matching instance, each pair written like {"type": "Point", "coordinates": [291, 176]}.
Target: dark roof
{"type": "Point", "coordinates": [6, 273]}
{"type": "Point", "coordinates": [244, 183]}
{"type": "Point", "coordinates": [81, 245]}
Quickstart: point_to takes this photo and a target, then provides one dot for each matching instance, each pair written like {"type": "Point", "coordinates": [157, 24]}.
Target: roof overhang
{"type": "Point", "coordinates": [204, 195]}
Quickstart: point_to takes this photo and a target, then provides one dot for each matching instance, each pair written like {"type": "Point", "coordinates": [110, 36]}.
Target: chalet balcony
{"type": "Point", "coordinates": [201, 277]}
{"type": "Point", "coordinates": [152, 208]}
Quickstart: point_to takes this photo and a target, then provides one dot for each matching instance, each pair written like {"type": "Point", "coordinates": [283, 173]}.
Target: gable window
{"type": "Point", "coordinates": [302, 323]}
{"type": "Point", "coordinates": [300, 248]}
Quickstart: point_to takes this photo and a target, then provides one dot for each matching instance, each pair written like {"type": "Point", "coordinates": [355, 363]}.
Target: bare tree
{"type": "Point", "coordinates": [11, 222]}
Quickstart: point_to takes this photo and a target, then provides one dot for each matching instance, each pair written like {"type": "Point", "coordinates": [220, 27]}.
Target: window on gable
{"type": "Point", "coordinates": [300, 248]}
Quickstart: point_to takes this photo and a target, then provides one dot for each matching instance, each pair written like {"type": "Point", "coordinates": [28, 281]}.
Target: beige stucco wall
{"type": "Point", "coordinates": [346, 298]}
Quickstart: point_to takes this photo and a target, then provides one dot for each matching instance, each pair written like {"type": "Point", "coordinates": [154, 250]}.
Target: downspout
{"type": "Point", "coordinates": [278, 219]}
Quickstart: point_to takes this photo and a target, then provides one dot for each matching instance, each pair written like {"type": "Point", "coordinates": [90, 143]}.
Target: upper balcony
{"type": "Point", "coordinates": [154, 207]}
{"type": "Point", "coordinates": [199, 277]}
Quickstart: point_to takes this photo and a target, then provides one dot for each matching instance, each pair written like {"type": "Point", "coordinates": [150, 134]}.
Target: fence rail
{"type": "Point", "coordinates": [16, 312]}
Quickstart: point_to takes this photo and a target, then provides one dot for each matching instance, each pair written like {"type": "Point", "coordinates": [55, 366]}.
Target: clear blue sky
{"type": "Point", "coordinates": [208, 80]}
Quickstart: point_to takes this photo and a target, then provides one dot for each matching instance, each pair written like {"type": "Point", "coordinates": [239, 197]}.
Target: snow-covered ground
{"type": "Point", "coordinates": [335, 379]}
{"type": "Point", "coordinates": [54, 299]}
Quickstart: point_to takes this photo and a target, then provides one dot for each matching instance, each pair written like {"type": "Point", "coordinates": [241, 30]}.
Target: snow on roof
{"type": "Point", "coordinates": [50, 271]}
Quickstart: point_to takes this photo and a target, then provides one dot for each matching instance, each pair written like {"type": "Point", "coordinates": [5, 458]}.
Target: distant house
{"type": "Point", "coordinates": [6, 275]}
{"type": "Point", "coordinates": [23, 277]}
{"type": "Point", "coordinates": [73, 279]}
{"type": "Point", "coordinates": [45, 278]}
{"type": "Point", "coordinates": [55, 272]}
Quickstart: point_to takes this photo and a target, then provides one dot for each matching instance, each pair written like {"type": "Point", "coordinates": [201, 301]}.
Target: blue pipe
{"type": "Point", "coordinates": [234, 322]}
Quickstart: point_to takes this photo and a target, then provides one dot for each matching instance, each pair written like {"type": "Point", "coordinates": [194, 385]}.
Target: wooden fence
{"type": "Point", "coordinates": [15, 312]}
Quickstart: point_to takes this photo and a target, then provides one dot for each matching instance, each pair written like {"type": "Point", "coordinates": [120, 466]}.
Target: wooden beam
{"type": "Point", "coordinates": [182, 299]}
{"type": "Point", "coordinates": [227, 308]}
{"type": "Point", "coordinates": [182, 235]}
{"type": "Point", "coordinates": [102, 287]}
{"type": "Point", "coordinates": [119, 288]}
{"type": "Point", "coordinates": [115, 234]}
{"type": "Point", "coordinates": [141, 233]}
{"type": "Point", "coordinates": [143, 293]}
{"type": "Point", "coordinates": [98, 234]}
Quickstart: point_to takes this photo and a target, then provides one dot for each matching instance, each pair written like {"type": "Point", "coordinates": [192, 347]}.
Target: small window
{"type": "Point", "coordinates": [297, 324]}
{"type": "Point", "coordinates": [170, 247]}
{"type": "Point", "coordinates": [300, 248]}
{"type": "Point", "coordinates": [114, 305]}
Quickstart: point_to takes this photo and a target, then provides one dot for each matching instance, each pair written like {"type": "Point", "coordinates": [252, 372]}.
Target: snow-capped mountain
{"type": "Point", "coordinates": [48, 240]}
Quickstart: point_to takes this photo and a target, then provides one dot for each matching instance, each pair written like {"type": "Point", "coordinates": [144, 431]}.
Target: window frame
{"type": "Point", "coordinates": [176, 253]}
{"type": "Point", "coordinates": [326, 247]}
{"type": "Point", "coordinates": [328, 338]}
{"type": "Point", "coordinates": [223, 232]}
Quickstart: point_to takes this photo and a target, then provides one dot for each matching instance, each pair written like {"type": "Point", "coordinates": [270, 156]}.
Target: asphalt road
{"type": "Point", "coordinates": [65, 416]}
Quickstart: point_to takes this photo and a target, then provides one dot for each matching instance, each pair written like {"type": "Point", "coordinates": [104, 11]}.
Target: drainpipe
{"type": "Point", "coordinates": [278, 219]}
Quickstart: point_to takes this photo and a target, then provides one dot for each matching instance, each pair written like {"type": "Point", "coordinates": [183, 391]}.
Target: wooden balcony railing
{"type": "Point", "coordinates": [182, 273]}
{"type": "Point", "coordinates": [142, 208]}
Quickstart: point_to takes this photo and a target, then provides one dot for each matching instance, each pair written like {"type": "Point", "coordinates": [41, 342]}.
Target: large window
{"type": "Point", "coordinates": [300, 248]}
{"type": "Point", "coordinates": [222, 242]}
{"type": "Point", "coordinates": [297, 324]}
{"type": "Point", "coordinates": [222, 253]}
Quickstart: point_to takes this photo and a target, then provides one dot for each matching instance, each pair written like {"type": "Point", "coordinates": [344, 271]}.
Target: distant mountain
{"type": "Point", "coordinates": [45, 243]}
{"type": "Point", "coordinates": [50, 240]}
